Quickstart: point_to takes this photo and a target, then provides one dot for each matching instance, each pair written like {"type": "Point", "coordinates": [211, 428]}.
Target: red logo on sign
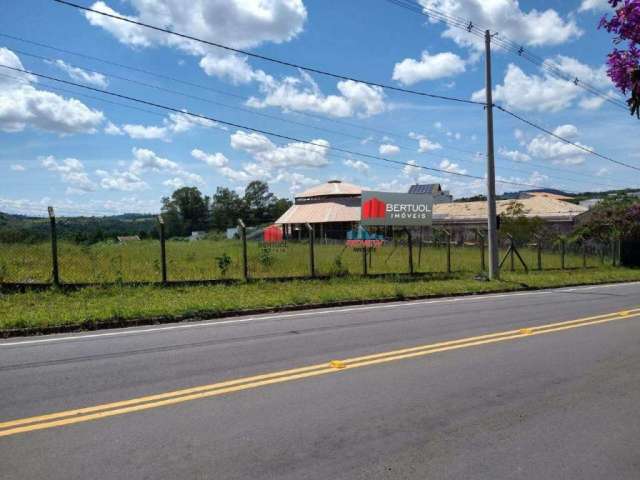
{"type": "Point", "coordinates": [374, 208]}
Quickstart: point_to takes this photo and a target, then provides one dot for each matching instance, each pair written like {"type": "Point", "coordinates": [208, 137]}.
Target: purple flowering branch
{"type": "Point", "coordinates": [624, 64]}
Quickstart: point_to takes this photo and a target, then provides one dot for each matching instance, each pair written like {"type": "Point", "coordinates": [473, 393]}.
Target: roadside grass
{"type": "Point", "coordinates": [87, 308]}
{"type": "Point", "coordinates": [109, 262]}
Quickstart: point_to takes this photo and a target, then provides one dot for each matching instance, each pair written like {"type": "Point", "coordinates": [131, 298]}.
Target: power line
{"type": "Point", "coordinates": [144, 84]}
{"type": "Point", "coordinates": [565, 140]}
{"type": "Point", "coordinates": [388, 133]}
{"type": "Point", "coordinates": [256, 130]}
{"type": "Point", "coordinates": [271, 59]}
{"type": "Point", "coordinates": [507, 45]}
{"type": "Point", "coordinates": [471, 28]}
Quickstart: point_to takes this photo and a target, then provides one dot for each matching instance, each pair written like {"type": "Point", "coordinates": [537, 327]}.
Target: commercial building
{"type": "Point", "coordinates": [333, 209]}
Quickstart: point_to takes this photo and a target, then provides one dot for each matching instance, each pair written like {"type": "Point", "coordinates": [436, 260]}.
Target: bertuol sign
{"type": "Point", "coordinates": [399, 209]}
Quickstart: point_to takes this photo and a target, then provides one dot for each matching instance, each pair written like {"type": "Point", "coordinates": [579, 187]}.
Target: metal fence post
{"type": "Point", "coordinates": [512, 254]}
{"type": "Point", "coordinates": [539, 248]}
{"type": "Point", "coordinates": [448, 251]}
{"type": "Point", "coordinates": [619, 250]}
{"type": "Point", "coordinates": [55, 278]}
{"type": "Point", "coordinates": [482, 254]}
{"type": "Point", "coordinates": [563, 251]}
{"type": "Point", "coordinates": [312, 257]}
{"type": "Point", "coordinates": [163, 252]}
{"type": "Point", "coordinates": [410, 245]}
{"type": "Point", "coordinates": [245, 257]}
{"type": "Point", "coordinates": [364, 260]}
{"type": "Point", "coordinates": [584, 253]}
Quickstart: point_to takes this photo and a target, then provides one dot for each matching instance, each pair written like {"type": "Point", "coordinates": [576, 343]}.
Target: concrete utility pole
{"type": "Point", "coordinates": [494, 268]}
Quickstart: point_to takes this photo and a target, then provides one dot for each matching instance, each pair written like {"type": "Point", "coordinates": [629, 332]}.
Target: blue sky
{"type": "Point", "coordinates": [87, 155]}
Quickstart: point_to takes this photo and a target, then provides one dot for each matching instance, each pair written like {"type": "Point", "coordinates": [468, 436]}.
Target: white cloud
{"type": "Point", "coordinates": [515, 155]}
{"type": "Point", "coordinates": [429, 67]}
{"type": "Point", "coordinates": [603, 172]}
{"type": "Point", "coordinates": [145, 161]}
{"type": "Point", "coordinates": [72, 172]}
{"type": "Point", "coordinates": [213, 160]}
{"type": "Point", "coordinates": [597, 5]}
{"type": "Point", "coordinates": [174, 124]}
{"type": "Point", "coordinates": [546, 93]}
{"type": "Point", "coordinates": [237, 23]}
{"type": "Point", "coordinates": [304, 94]}
{"type": "Point", "coordinates": [388, 149]}
{"type": "Point", "coordinates": [451, 167]}
{"type": "Point", "coordinates": [293, 154]}
{"type": "Point", "coordinates": [296, 181]}
{"type": "Point", "coordinates": [78, 74]}
{"type": "Point", "coordinates": [174, 183]}
{"type": "Point", "coordinates": [234, 68]}
{"type": "Point", "coordinates": [23, 105]}
{"type": "Point", "coordinates": [557, 151]}
{"type": "Point", "coordinates": [535, 27]}
{"type": "Point", "coordinates": [357, 165]}
{"type": "Point", "coordinates": [112, 129]}
{"type": "Point", "coordinates": [16, 167]}
{"type": "Point", "coordinates": [142, 132]}
{"type": "Point", "coordinates": [124, 181]}
{"type": "Point", "coordinates": [424, 144]}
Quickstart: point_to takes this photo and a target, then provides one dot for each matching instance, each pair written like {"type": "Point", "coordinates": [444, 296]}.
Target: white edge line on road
{"type": "Point", "coordinates": [378, 306]}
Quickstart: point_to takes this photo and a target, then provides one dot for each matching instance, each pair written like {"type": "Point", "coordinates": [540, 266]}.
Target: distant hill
{"type": "Point", "coordinates": [22, 228]}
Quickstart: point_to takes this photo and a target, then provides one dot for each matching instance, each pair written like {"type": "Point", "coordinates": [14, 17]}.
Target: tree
{"type": "Point", "coordinates": [614, 217]}
{"type": "Point", "coordinates": [185, 211]}
{"type": "Point", "coordinates": [257, 206]}
{"type": "Point", "coordinates": [624, 63]}
{"type": "Point", "coordinates": [258, 201]}
{"type": "Point", "coordinates": [278, 208]}
{"type": "Point", "coordinates": [226, 208]}
{"type": "Point", "coordinates": [515, 223]}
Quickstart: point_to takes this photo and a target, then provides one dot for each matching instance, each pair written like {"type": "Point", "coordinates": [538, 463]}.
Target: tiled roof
{"type": "Point", "coordinates": [323, 212]}
{"type": "Point", "coordinates": [463, 212]}
{"type": "Point", "coordinates": [539, 206]}
{"type": "Point", "coordinates": [332, 188]}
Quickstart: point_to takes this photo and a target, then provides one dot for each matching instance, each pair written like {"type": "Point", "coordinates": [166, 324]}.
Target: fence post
{"type": "Point", "coordinates": [619, 250]}
{"type": "Point", "coordinates": [420, 247]}
{"type": "Point", "coordinates": [584, 253]}
{"type": "Point", "coordinates": [539, 248]}
{"type": "Point", "coordinates": [482, 259]}
{"type": "Point", "coordinates": [245, 257]}
{"type": "Point", "coordinates": [563, 249]}
{"type": "Point", "coordinates": [163, 252]}
{"type": "Point", "coordinates": [410, 246]}
{"type": "Point", "coordinates": [448, 250]}
{"type": "Point", "coordinates": [312, 257]}
{"type": "Point", "coordinates": [55, 278]}
{"type": "Point", "coordinates": [512, 253]}
{"type": "Point", "coordinates": [364, 260]}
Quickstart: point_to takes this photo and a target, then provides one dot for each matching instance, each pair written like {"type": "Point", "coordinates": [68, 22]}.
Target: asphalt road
{"type": "Point", "coordinates": [563, 404]}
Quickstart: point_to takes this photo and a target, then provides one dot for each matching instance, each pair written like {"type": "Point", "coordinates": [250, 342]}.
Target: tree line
{"type": "Point", "coordinates": [188, 210]}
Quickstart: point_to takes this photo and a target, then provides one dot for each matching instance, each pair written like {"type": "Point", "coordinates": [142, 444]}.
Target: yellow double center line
{"type": "Point", "coordinates": [96, 412]}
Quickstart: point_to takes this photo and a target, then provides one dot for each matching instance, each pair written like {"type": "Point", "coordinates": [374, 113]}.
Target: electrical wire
{"type": "Point", "coordinates": [261, 131]}
{"type": "Point", "coordinates": [271, 59]}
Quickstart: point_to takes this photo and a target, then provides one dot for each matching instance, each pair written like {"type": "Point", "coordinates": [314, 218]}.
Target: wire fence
{"type": "Point", "coordinates": [179, 261]}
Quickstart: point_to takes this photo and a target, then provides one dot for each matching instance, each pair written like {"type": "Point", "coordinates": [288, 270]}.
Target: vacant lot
{"type": "Point", "coordinates": [91, 306]}
{"type": "Point", "coordinates": [140, 261]}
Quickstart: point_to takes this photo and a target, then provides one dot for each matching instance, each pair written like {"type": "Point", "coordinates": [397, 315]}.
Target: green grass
{"type": "Point", "coordinates": [54, 308]}
{"type": "Point", "coordinates": [140, 261]}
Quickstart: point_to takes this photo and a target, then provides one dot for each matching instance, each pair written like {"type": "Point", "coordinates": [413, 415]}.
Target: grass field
{"type": "Point", "coordinates": [140, 261]}
{"type": "Point", "coordinates": [90, 306]}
